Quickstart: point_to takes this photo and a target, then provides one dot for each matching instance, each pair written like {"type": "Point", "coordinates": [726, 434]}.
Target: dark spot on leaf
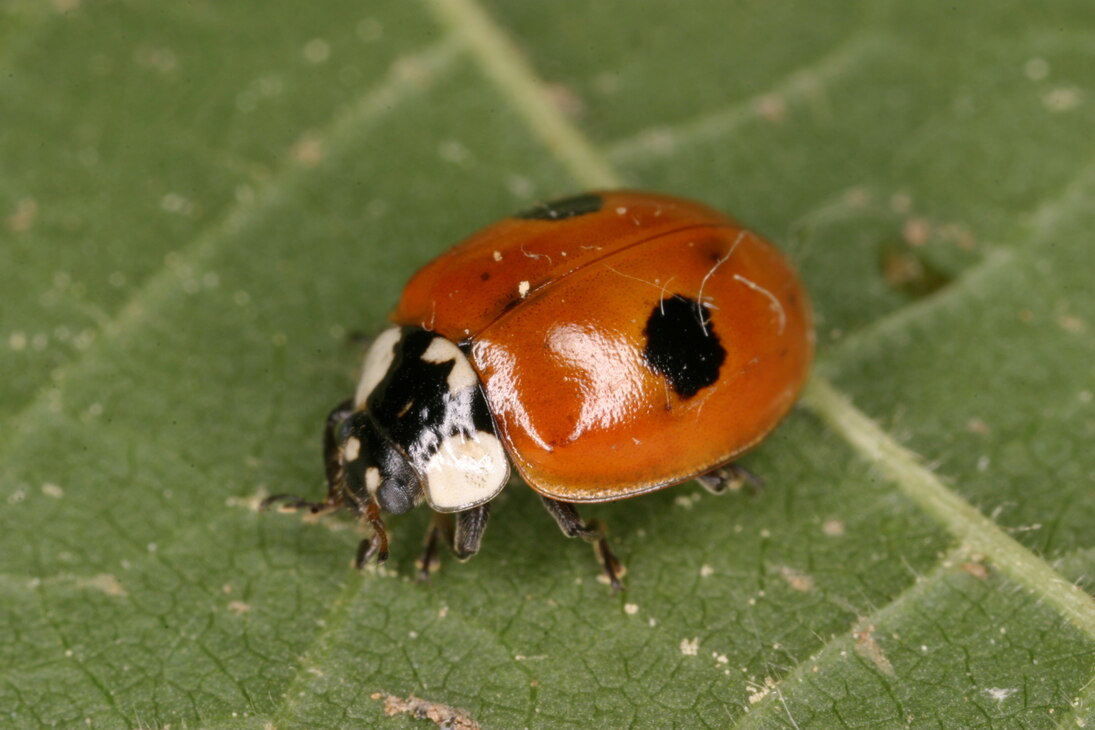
{"type": "Point", "coordinates": [908, 272]}
{"type": "Point", "coordinates": [557, 210]}
{"type": "Point", "coordinates": [682, 346]}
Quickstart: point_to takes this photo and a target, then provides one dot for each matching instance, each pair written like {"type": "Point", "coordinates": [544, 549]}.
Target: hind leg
{"type": "Point", "coordinates": [572, 525]}
{"type": "Point", "coordinates": [729, 478]}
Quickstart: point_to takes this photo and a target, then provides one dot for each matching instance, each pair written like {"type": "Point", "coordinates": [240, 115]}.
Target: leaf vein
{"type": "Point", "coordinates": [666, 139]}
{"type": "Point", "coordinates": [921, 585]}
{"type": "Point", "coordinates": [93, 679]}
{"type": "Point", "coordinates": [503, 64]}
{"type": "Point", "coordinates": [407, 75]}
{"type": "Point", "coordinates": [955, 514]}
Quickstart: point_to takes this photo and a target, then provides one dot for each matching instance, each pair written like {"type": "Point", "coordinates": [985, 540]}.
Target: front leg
{"type": "Point", "coordinates": [331, 462]}
{"type": "Point", "coordinates": [463, 539]}
{"type": "Point", "coordinates": [572, 525]}
{"type": "Point", "coordinates": [377, 545]}
{"type": "Point", "coordinates": [332, 466]}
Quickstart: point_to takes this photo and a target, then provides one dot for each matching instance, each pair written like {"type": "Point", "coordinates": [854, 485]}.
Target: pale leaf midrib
{"type": "Point", "coordinates": [958, 516]}
{"type": "Point", "coordinates": [504, 64]}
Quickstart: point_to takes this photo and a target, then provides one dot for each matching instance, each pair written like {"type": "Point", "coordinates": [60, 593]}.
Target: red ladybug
{"type": "Point", "coordinates": [608, 344]}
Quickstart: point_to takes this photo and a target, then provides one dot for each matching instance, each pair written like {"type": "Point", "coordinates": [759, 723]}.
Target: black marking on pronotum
{"type": "Point", "coordinates": [436, 412]}
{"type": "Point", "coordinates": [557, 210]}
{"type": "Point", "coordinates": [681, 345]}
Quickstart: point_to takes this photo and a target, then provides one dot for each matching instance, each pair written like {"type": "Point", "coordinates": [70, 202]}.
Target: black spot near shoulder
{"type": "Point", "coordinates": [557, 210]}
{"type": "Point", "coordinates": [681, 345]}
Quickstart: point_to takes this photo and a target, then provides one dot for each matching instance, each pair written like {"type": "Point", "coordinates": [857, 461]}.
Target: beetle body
{"type": "Point", "coordinates": [608, 344]}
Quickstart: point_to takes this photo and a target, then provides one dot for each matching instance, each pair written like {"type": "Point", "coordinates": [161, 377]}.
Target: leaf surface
{"type": "Point", "coordinates": [201, 201]}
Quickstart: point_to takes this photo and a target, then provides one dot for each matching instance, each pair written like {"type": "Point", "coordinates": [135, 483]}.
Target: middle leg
{"type": "Point", "coordinates": [462, 532]}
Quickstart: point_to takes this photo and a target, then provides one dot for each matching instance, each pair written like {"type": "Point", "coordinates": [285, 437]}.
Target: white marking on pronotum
{"type": "Point", "coordinates": [461, 376]}
{"type": "Point", "coordinates": [352, 449]}
{"type": "Point", "coordinates": [722, 260]}
{"type": "Point", "coordinates": [377, 362]}
{"type": "Point", "coordinates": [466, 471]}
{"type": "Point", "coordinates": [773, 302]}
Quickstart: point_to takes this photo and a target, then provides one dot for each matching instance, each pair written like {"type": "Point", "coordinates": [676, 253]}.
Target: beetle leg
{"type": "Point", "coordinates": [730, 478]}
{"type": "Point", "coordinates": [463, 535]}
{"type": "Point", "coordinates": [375, 546]}
{"type": "Point", "coordinates": [292, 503]}
{"type": "Point", "coordinates": [470, 526]}
{"type": "Point", "coordinates": [334, 499]}
{"type": "Point", "coordinates": [331, 464]}
{"type": "Point", "coordinates": [593, 532]}
{"type": "Point", "coordinates": [441, 528]}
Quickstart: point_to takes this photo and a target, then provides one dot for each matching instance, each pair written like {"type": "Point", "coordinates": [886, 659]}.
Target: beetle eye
{"type": "Point", "coordinates": [394, 497]}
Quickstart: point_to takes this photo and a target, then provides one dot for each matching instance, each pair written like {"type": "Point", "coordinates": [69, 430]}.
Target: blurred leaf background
{"type": "Point", "coordinates": [199, 201]}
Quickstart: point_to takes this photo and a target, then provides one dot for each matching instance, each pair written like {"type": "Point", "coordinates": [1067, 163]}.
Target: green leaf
{"type": "Point", "coordinates": [200, 201]}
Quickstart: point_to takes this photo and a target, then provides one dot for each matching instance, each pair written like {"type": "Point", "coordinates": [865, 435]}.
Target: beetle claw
{"type": "Point", "coordinates": [730, 478]}
{"type": "Point", "coordinates": [372, 548]}
{"type": "Point", "coordinates": [614, 569]}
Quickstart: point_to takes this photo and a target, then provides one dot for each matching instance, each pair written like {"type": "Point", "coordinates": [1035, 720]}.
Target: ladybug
{"type": "Point", "coordinates": [607, 345]}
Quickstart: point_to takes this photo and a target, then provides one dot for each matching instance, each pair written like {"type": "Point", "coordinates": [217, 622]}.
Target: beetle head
{"type": "Point", "coordinates": [376, 469]}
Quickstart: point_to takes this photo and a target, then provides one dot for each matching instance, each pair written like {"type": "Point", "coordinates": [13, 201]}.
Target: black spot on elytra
{"type": "Point", "coordinates": [485, 276]}
{"type": "Point", "coordinates": [557, 210]}
{"type": "Point", "coordinates": [682, 346]}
